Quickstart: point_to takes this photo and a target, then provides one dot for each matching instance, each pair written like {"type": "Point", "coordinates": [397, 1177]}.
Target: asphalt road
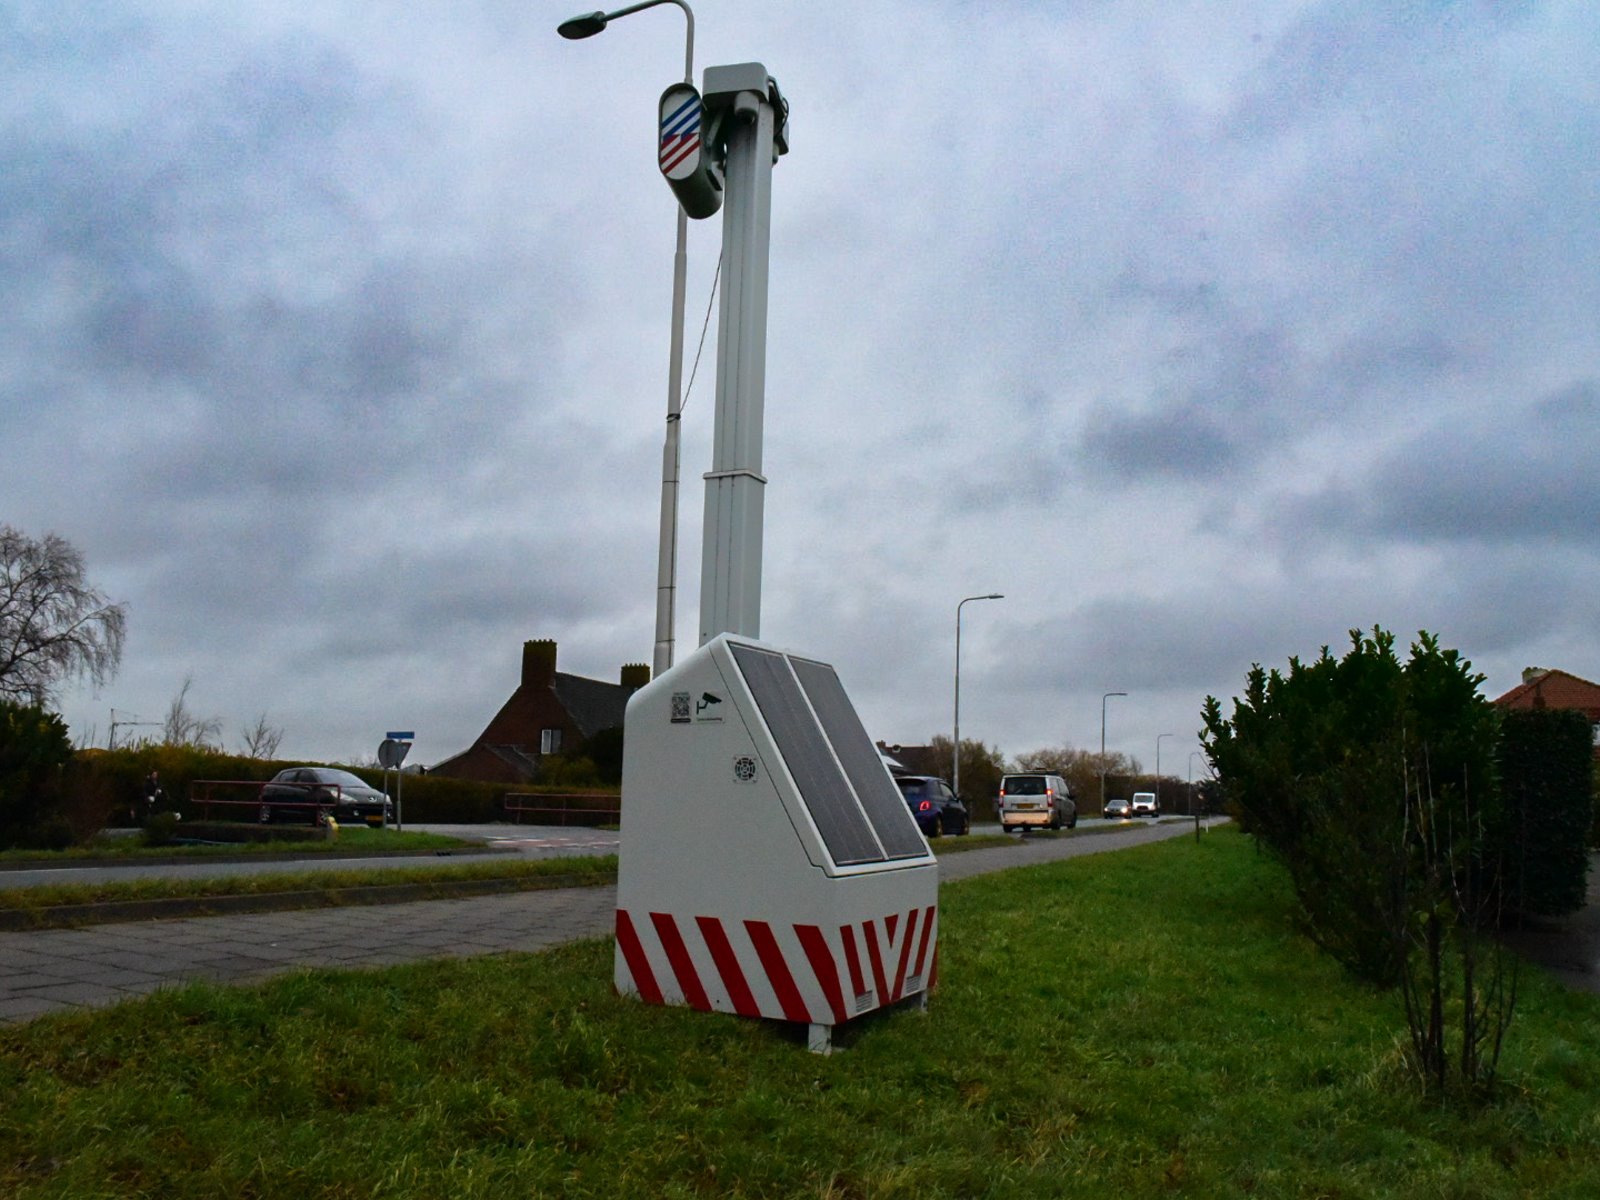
{"type": "Point", "coordinates": [530, 841]}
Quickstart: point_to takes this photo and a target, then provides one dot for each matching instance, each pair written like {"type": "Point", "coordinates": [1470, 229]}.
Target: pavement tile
{"type": "Point", "coordinates": [137, 959]}
{"type": "Point", "coordinates": [26, 1006]}
{"type": "Point", "coordinates": [25, 981]}
{"type": "Point", "coordinates": [141, 985]}
{"type": "Point", "coordinates": [16, 958]}
{"type": "Point", "coordinates": [80, 994]}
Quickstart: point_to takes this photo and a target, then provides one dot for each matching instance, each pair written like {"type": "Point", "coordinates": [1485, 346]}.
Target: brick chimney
{"type": "Point", "coordinates": [635, 675]}
{"type": "Point", "coordinates": [538, 664]}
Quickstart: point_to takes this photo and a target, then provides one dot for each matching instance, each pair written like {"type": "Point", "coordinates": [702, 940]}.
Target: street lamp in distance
{"type": "Point", "coordinates": [1159, 736]}
{"type": "Point", "coordinates": [955, 749]}
{"type": "Point", "coordinates": [1103, 700]}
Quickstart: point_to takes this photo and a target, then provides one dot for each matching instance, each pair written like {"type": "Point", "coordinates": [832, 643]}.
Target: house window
{"type": "Point", "coordinates": [550, 741]}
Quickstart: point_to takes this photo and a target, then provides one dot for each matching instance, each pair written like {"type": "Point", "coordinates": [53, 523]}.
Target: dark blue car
{"type": "Point", "coordinates": [934, 805]}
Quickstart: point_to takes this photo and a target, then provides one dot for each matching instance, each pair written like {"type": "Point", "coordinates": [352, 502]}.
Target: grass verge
{"type": "Point", "coordinates": [1204, 1051]}
{"type": "Point", "coordinates": [322, 883]}
{"type": "Point", "coordinates": [131, 847]}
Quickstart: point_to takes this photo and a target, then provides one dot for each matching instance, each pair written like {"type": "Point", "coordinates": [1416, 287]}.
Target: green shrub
{"type": "Point", "coordinates": [1328, 763]}
{"type": "Point", "coordinates": [34, 746]}
{"type": "Point", "coordinates": [605, 749]}
{"type": "Point", "coordinates": [438, 799]}
{"type": "Point", "coordinates": [160, 829]}
{"type": "Point", "coordinates": [1546, 760]}
{"type": "Point", "coordinates": [1374, 781]}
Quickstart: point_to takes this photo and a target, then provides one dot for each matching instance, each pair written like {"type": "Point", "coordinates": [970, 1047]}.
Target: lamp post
{"type": "Point", "coordinates": [1195, 812]}
{"type": "Point", "coordinates": [667, 558]}
{"type": "Point", "coordinates": [1159, 736]}
{"type": "Point", "coordinates": [1103, 700]}
{"type": "Point", "coordinates": [955, 750]}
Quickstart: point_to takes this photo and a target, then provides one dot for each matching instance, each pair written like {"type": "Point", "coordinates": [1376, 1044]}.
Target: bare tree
{"type": "Point", "coordinates": [53, 625]}
{"type": "Point", "coordinates": [184, 727]}
{"type": "Point", "coordinates": [262, 741]}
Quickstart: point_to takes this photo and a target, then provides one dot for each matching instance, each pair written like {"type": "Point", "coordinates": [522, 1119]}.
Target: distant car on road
{"type": "Point", "coordinates": [306, 794]}
{"type": "Point", "coordinates": [1117, 810]}
{"type": "Point", "coordinates": [1144, 805]}
{"type": "Point", "coordinates": [1035, 800]}
{"type": "Point", "coordinates": [937, 809]}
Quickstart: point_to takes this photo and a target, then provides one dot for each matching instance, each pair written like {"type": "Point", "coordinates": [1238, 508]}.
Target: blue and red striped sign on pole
{"type": "Point", "coordinates": [680, 138]}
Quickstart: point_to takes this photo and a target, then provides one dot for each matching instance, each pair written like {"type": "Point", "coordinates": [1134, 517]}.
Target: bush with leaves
{"type": "Point", "coordinates": [34, 746]}
{"type": "Point", "coordinates": [1315, 763]}
{"type": "Point", "coordinates": [1373, 780]}
{"type": "Point", "coordinates": [981, 769]}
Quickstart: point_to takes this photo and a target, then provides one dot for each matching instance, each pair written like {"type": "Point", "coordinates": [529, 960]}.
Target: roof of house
{"type": "Point", "coordinates": [592, 704]}
{"type": "Point", "coordinates": [1554, 689]}
{"type": "Point", "coordinates": [517, 758]}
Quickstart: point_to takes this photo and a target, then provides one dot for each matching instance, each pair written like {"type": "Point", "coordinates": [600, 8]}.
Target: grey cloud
{"type": "Point", "coordinates": [1183, 443]}
{"type": "Point", "coordinates": [338, 341]}
{"type": "Point", "coordinates": [1524, 478]}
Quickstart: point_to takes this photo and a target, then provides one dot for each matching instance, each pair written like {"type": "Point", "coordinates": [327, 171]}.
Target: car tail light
{"type": "Point", "coordinates": [1049, 793]}
{"type": "Point", "coordinates": [925, 806]}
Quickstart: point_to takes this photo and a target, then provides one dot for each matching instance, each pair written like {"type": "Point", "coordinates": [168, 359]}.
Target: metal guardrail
{"type": "Point", "coordinates": [558, 808]}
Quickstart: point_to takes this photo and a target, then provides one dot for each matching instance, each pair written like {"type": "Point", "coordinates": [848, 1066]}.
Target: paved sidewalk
{"type": "Point", "coordinates": [51, 970]}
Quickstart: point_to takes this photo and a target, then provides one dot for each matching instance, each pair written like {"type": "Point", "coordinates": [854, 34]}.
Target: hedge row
{"type": "Point", "coordinates": [1546, 767]}
{"type": "Point", "coordinates": [101, 786]}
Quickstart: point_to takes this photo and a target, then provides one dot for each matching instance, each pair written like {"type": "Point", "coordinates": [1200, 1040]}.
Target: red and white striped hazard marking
{"type": "Point", "coordinates": [786, 972]}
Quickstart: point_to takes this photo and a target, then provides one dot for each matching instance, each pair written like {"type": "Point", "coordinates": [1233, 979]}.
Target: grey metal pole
{"type": "Point", "coordinates": [1193, 810]}
{"type": "Point", "coordinates": [1103, 700]}
{"type": "Point", "coordinates": [1159, 736]}
{"type": "Point", "coordinates": [671, 457]}
{"type": "Point", "coordinates": [730, 571]}
{"type": "Point", "coordinates": [955, 749]}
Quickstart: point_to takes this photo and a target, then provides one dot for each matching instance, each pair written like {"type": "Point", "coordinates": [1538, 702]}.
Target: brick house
{"type": "Point", "coordinates": [551, 712]}
{"type": "Point", "coordinates": [1543, 688]}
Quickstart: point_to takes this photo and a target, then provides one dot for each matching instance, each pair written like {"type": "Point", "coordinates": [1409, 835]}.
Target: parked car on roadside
{"type": "Point", "coordinates": [306, 795]}
{"type": "Point", "coordinates": [1117, 810]}
{"type": "Point", "coordinates": [1035, 800]}
{"type": "Point", "coordinates": [1144, 805]}
{"type": "Point", "coordinates": [937, 809]}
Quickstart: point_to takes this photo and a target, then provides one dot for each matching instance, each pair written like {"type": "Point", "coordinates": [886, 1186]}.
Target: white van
{"type": "Point", "coordinates": [1144, 805]}
{"type": "Point", "coordinates": [1035, 800]}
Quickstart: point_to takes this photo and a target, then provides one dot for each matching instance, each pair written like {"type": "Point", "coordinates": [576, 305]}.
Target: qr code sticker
{"type": "Point", "coordinates": [680, 708]}
{"type": "Point", "coordinates": [744, 769]}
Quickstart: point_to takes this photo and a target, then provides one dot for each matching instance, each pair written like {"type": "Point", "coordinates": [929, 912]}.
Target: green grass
{"type": "Point", "coordinates": [972, 841]}
{"type": "Point", "coordinates": [591, 869]}
{"type": "Point", "coordinates": [131, 847]}
{"type": "Point", "coordinates": [988, 841]}
{"type": "Point", "coordinates": [1204, 1050]}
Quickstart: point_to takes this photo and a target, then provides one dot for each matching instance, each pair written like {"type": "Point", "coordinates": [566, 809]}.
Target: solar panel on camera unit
{"type": "Point", "coordinates": [803, 743]}
{"type": "Point", "coordinates": [884, 805]}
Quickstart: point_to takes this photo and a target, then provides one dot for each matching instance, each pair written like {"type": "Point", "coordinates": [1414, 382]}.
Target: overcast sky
{"type": "Point", "coordinates": [335, 336]}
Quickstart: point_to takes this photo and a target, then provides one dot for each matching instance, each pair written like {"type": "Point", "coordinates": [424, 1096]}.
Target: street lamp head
{"type": "Point", "coordinates": [995, 596]}
{"type": "Point", "coordinates": [577, 28]}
